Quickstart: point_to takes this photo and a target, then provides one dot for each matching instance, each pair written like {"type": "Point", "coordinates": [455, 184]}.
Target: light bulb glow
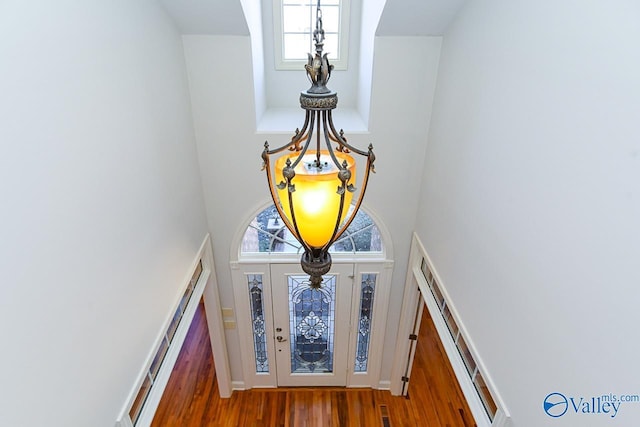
{"type": "Point", "coordinates": [316, 202]}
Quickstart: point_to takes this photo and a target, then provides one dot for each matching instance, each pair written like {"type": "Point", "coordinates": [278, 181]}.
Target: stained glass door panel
{"type": "Point", "coordinates": [311, 326]}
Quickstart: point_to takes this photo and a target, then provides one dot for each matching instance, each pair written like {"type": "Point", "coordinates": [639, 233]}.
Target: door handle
{"type": "Point", "coordinates": [280, 339]}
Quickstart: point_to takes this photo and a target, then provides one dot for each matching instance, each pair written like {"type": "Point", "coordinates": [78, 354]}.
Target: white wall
{"type": "Point", "coordinates": [229, 148]}
{"type": "Point", "coordinates": [400, 109]}
{"type": "Point", "coordinates": [370, 16]}
{"type": "Point", "coordinates": [102, 210]}
{"type": "Point", "coordinates": [253, 15]}
{"type": "Point", "coordinates": [531, 198]}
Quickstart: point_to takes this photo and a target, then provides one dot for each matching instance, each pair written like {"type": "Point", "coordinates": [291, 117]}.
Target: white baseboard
{"type": "Point", "coordinates": [238, 385]}
{"type": "Point", "coordinates": [384, 385]}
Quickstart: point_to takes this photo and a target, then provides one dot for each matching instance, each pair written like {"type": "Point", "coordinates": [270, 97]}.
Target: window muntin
{"type": "Point", "coordinates": [294, 23]}
{"type": "Point", "coordinates": [268, 234]}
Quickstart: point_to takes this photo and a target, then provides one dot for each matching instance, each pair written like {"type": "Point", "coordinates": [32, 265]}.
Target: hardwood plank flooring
{"type": "Point", "coordinates": [192, 383]}
{"type": "Point", "coordinates": [191, 398]}
{"type": "Point", "coordinates": [433, 382]}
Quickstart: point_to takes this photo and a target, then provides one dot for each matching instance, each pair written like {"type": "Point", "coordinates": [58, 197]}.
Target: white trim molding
{"type": "Point", "coordinates": [423, 284]}
{"type": "Point", "coordinates": [215, 322]}
{"type": "Point", "coordinates": [206, 287]}
{"type": "Point", "coordinates": [238, 385]}
{"type": "Point", "coordinates": [384, 385]}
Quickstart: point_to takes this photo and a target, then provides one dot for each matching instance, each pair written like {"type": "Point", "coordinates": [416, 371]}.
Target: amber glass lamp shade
{"type": "Point", "coordinates": [312, 187]}
{"type": "Point", "coordinates": [316, 202]}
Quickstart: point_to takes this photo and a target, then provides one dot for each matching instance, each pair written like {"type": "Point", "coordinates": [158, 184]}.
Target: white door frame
{"type": "Point", "coordinates": [241, 273]}
{"type": "Point", "coordinates": [343, 278]}
{"type": "Point", "coordinates": [241, 265]}
{"type": "Point", "coordinates": [416, 292]}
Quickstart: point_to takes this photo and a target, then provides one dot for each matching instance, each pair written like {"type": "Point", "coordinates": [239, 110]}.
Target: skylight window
{"type": "Point", "coordinates": [294, 22]}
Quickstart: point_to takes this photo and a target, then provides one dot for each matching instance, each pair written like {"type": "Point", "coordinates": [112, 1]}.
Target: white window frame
{"type": "Point", "coordinates": [414, 295]}
{"type": "Point", "coordinates": [340, 63]}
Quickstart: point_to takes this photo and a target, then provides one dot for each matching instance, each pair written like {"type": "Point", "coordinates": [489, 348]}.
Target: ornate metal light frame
{"type": "Point", "coordinates": [308, 157]}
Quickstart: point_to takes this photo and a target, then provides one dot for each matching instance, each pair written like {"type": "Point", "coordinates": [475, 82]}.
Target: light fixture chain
{"type": "Point", "coordinates": [318, 34]}
{"type": "Point", "coordinates": [301, 197]}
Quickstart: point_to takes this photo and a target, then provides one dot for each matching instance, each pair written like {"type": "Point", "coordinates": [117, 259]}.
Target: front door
{"type": "Point", "coordinates": [311, 326]}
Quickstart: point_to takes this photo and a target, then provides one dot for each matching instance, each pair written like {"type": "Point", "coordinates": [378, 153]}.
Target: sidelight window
{"type": "Point", "coordinates": [367, 290]}
{"type": "Point", "coordinates": [257, 321]}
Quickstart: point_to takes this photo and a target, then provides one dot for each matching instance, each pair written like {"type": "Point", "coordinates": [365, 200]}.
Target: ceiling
{"type": "Point", "coordinates": [417, 17]}
{"type": "Point", "coordinates": [215, 17]}
{"type": "Point", "coordinates": [399, 18]}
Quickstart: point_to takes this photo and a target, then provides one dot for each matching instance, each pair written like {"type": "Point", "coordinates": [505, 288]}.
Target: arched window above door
{"type": "Point", "coordinates": [267, 258]}
{"type": "Point", "coordinates": [267, 234]}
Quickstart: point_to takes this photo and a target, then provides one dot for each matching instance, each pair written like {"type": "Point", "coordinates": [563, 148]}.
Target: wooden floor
{"type": "Point", "coordinates": [191, 397]}
{"type": "Point", "coordinates": [433, 388]}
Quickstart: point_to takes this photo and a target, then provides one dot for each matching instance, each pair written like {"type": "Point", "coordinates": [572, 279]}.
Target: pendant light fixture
{"type": "Point", "coordinates": [312, 180]}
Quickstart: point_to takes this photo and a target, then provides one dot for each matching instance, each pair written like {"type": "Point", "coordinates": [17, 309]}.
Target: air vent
{"type": "Point", "coordinates": [384, 416]}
